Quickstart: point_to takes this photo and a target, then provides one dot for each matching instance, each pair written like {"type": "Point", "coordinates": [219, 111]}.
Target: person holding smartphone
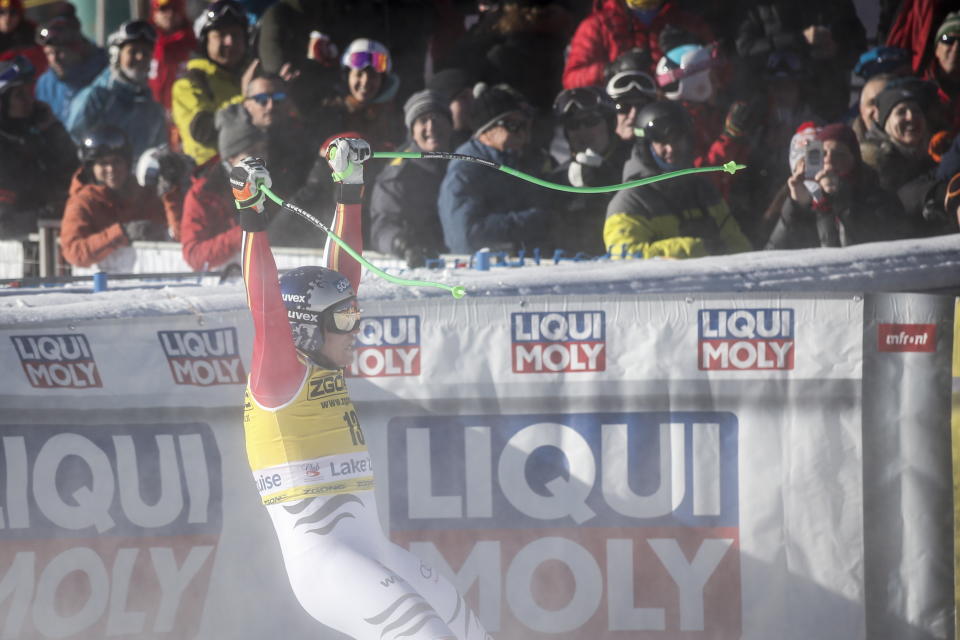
{"type": "Point", "coordinates": [834, 200]}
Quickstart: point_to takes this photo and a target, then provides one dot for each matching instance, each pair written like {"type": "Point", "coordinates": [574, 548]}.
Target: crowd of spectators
{"type": "Point", "coordinates": [846, 140]}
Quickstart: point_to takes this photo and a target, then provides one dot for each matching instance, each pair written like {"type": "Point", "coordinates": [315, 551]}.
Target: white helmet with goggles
{"type": "Point", "coordinates": [684, 73]}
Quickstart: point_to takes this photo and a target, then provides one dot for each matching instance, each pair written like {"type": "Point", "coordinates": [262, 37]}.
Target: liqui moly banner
{"type": "Point", "coordinates": [89, 547]}
{"type": "Point", "coordinates": [606, 466]}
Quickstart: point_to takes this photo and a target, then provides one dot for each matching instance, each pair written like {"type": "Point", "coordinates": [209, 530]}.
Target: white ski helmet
{"type": "Point", "coordinates": [364, 52]}
{"type": "Point", "coordinates": [684, 73]}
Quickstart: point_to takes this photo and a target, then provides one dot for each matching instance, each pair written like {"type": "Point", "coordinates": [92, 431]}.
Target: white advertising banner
{"type": "Point", "coordinates": [610, 466]}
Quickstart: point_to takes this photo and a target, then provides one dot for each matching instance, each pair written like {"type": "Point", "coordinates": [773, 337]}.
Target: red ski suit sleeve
{"type": "Point", "coordinates": [276, 371]}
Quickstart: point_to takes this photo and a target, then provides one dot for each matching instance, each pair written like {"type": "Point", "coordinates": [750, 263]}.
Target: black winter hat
{"type": "Point", "coordinates": [490, 103]}
{"type": "Point", "coordinates": [899, 91]}
{"type": "Point", "coordinates": [449, 82]}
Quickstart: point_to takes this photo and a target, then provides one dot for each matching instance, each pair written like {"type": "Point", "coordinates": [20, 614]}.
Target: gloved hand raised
{"type": "Point", "coordinates": [143, 230]}
{"type": "Point", "coordinates": [346, 157]}
{"type": "Point", "coordinates": [246, 180]}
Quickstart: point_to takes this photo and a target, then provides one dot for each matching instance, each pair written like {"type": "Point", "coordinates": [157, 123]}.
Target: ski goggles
{"type": "Point", "coordinates": [881, 60]}
{"type": "Point", "coordinates": [631, 82]}
{"type": "Point", "coordinates": [948, 39]}
{"type": "Point", "coordinates": [376, 60]}
{"type": "Point", "coordinates": [222, 10]}
{"type": "Point", "coordinates": [572, 101]}
{"type": "Point", "coordinates": [133, 31]}
{"type": "Point", "coordinates": [676, 73]}
{"type": "Point", "coordinates": [784, 63]}
{"type": "Point", "coordinates": [263, 98]}
{"type": "Point", "coordinates": [343, 318]}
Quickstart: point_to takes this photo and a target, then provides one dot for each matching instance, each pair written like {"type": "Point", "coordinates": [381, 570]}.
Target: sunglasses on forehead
{"type": "Point", "coordinates": [948, 39]}
{"type": "Point", "coordinates": [263, 98]}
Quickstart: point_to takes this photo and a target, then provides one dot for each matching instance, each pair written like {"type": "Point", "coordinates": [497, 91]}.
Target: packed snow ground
{"type": "Point", "coordinates": [928, 265]}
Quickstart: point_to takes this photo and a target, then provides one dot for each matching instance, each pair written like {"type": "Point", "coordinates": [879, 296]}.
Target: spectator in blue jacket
{"type": "Point", "coordinates": [121, 94]}
{"type": "Point", "coordinates": [484, 208]}
{"type": "Point", "coordinates": [73, 61]}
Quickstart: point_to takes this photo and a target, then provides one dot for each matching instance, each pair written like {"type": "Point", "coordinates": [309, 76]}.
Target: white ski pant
{"type": "Point", "coordinates": [347, 575]}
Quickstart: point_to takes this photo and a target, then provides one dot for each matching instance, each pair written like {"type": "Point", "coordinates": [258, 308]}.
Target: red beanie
{"type": "Point", "coordinates": [841, 133]}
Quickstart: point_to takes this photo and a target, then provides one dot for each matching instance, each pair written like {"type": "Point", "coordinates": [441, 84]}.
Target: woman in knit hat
{"type": "Point", "coordinates": [403, 208]}
{"type": "Point", "coordinates": [897, 147]}
{"type": "Point", "coordinates": [845, 205]}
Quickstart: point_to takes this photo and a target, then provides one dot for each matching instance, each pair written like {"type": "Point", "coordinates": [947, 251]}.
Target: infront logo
{"type": "Point", "coordinates": [745, 339]}
{"type": "Point", "coordinates": [899, 338]}
{"type": "Point", "coordinates": [61, 361]}
{"type": "Point", "coordinates": [551, 342]}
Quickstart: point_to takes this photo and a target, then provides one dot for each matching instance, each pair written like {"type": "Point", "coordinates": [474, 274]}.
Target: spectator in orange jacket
{"type": "Point", "coordinates": [175, 42]}
{"type": "Point", "coordinates": [616, 26]}
{"type": "Point", "coordinates": [209, 231]}
{"type": "Point", "coordinates": [107, 210]}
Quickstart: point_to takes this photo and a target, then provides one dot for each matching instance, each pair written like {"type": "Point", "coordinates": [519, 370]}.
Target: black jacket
{"type": "Point", "coordinates": [37, 160]}
{"type": "Point", "coordinates": [404, 204]}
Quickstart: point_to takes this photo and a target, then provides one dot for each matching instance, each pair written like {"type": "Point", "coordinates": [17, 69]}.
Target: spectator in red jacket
{"type": "Point", "coordinates": [616, 26]}
{"type": "Point", "coordinates": [175, 42]}
{"type": "Point", "coordinates": [209, 231]}
{"type": "Point", "coordinates": [107, 210]}
{"type": "Point", "coordinates": [17, 35]}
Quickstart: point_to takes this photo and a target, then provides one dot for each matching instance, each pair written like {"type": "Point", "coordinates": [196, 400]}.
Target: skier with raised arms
{"type": "Point", "coordinates": [304, 442]}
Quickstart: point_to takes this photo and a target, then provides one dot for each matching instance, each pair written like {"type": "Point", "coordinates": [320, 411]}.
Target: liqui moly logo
{"type": "Point", "coordinates": [898, 338]}
{"type": "Point", "coordinates": [553, 342]}
{"type": "Point", "coordinates": [107, 531]}
{"type": "Point", "coordinates": [588, 525]}
{"type": "Point", "coordinates": [746, 339]}
{"type": "Point", "coordinates": [203, 358]}
{"type": "Point", "coordinates": [61, 361]}
{"type": "Point", "coordinates": [387, 346]}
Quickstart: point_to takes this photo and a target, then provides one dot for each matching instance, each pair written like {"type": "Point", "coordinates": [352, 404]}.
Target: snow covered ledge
{"type": "Point", "coordinates": [929, 265]}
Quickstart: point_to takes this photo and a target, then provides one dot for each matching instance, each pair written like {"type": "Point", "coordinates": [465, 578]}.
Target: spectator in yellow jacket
{"type": "Point", "coordinates": [212, 79]}
{"type": "Point", "coordinates": [682, 218]}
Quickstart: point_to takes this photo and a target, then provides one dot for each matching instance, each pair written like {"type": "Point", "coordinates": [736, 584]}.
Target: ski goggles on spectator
{"type": "Point", "coordinates": [224, 10]}
{"type": "Point", "coordinates": [343, 318]}
{"type": "Point", "coordinates": [362, 59]}
{"type": "Point", "coordinates": [263, 98]}
{"type": "Point", "coordinates": [676, 73]}
{"type": "Point", "coordinates": [133, 31]}
{"type": "Point", "coordinates": [948, 39]}
{"type": "Point", "coordinates": [784, 63]}
{"type": "Point", "coordinates": [20, 71]}
{"type": "Point", "coordinates": [572, 101]}
{"type": "Point", "coordinates": [631, 82]}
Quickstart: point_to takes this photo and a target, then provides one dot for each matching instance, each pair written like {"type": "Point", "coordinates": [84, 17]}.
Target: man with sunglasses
{"type": "Point", "coordinates": [306, 448]}
{"type": "Point", "coordinates": [482, 208]}
{"type": "Point", "coordinates": [122, 97]}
